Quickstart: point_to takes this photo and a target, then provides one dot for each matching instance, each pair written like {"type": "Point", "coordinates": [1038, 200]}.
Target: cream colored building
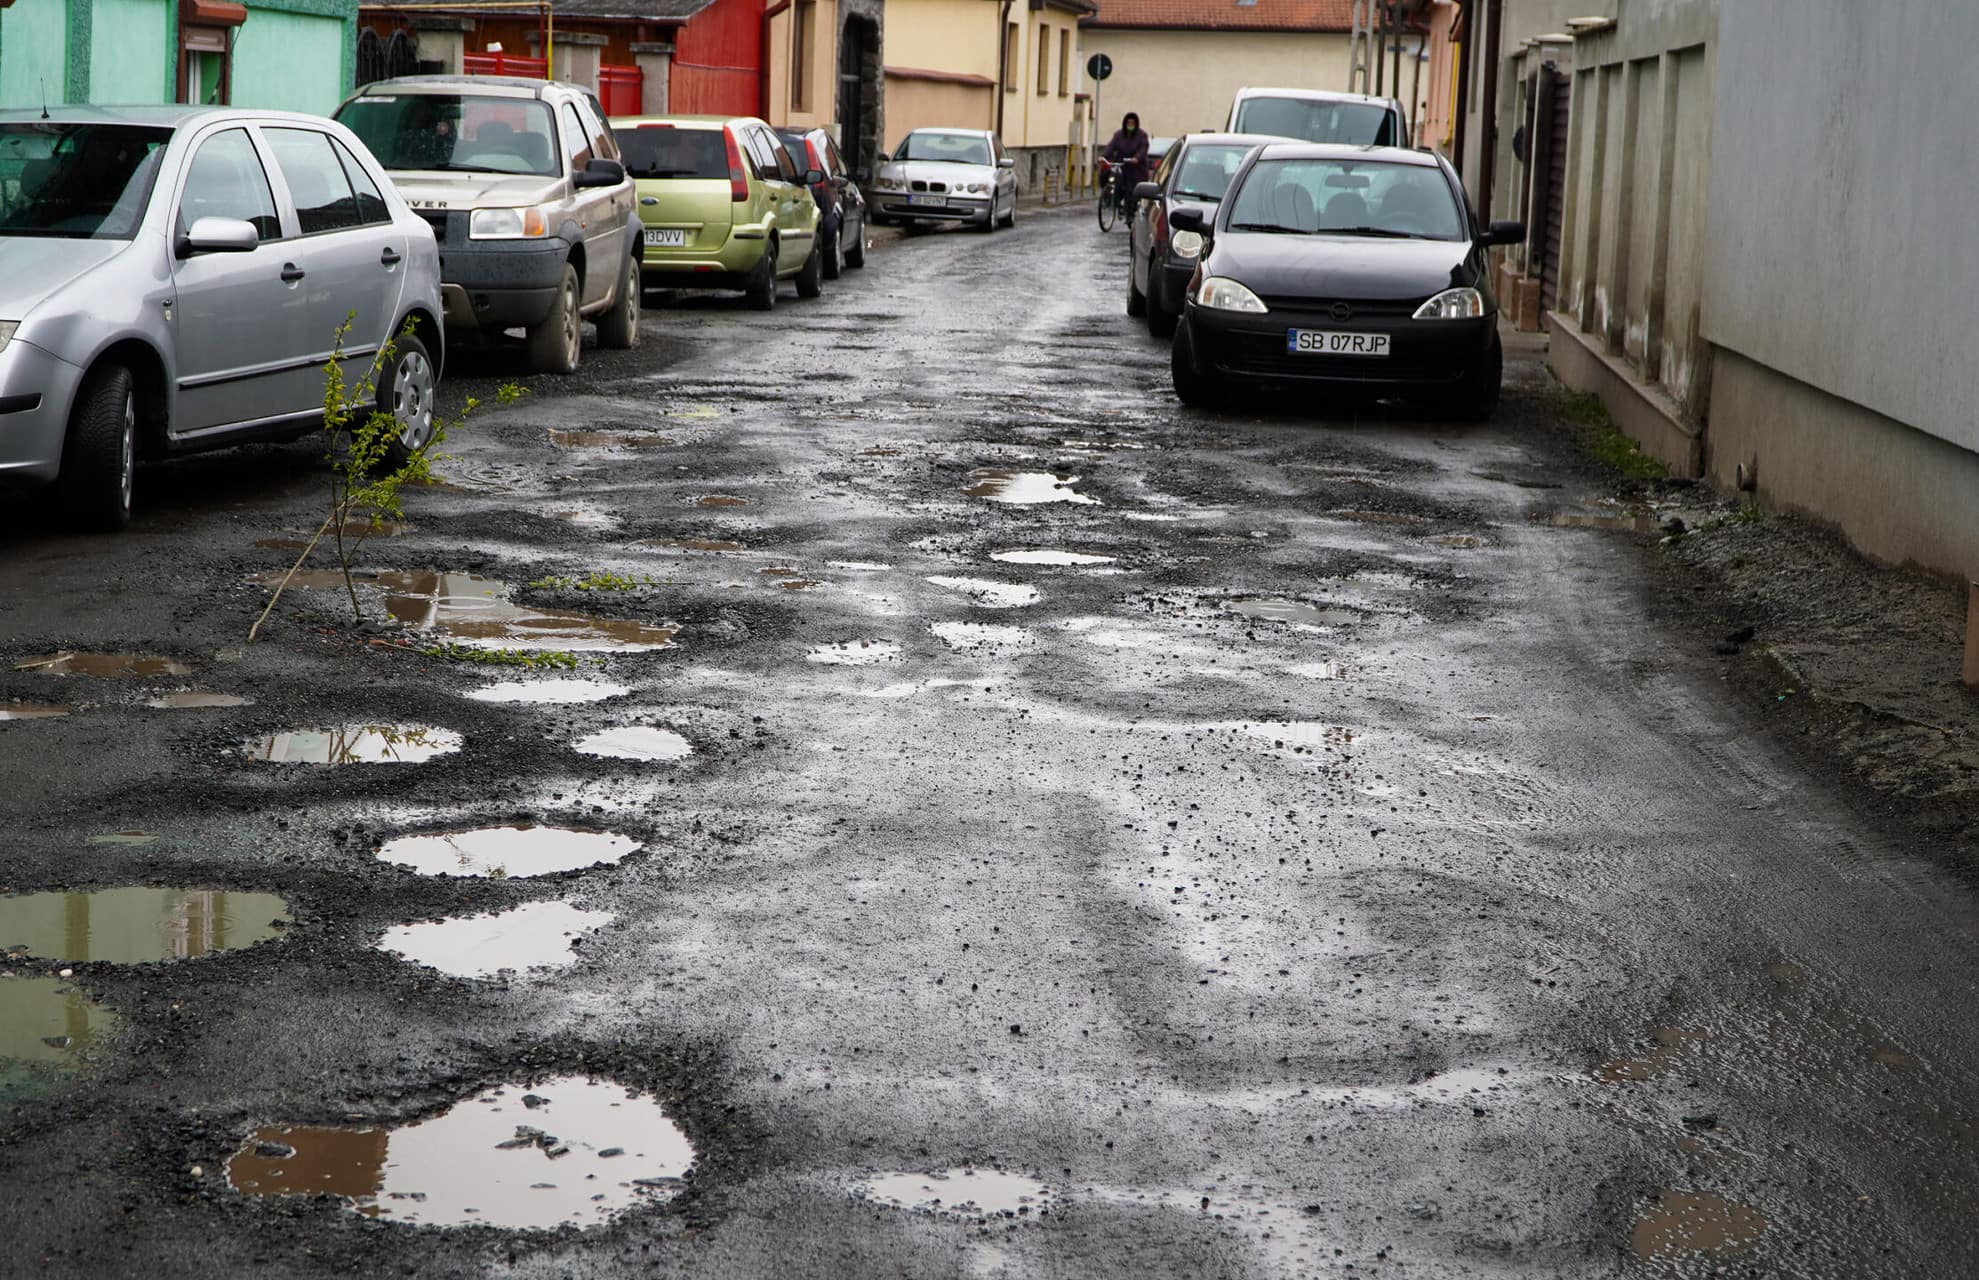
{"type": "Point", "coordinates": [1179, 63]}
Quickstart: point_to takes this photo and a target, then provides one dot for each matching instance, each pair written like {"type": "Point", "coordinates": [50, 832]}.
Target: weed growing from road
{"type": "Point", "coordinates": [1584, 409]}
{"type": "Point", "coordinates": [533, 659]}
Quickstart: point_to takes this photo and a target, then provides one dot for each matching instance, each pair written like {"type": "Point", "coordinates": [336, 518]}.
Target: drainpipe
{"type": "Point", "coordinates": [1488, 134]}
{"type": "Point", "coordinates": [763, 77]}
{"type": "Point", "coordinates": [1461, 29]}
{"type": "Point", "coordinates": [1002, 57]}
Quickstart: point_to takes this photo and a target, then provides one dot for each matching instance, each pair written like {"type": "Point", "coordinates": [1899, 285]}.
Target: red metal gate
{"type": "Point", "coordinates": [504, 64]}
{"type": "Point", "coordinates": [621, 90]}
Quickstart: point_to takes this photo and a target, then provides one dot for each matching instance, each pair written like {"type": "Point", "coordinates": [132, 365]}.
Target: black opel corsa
{"type": "Point", "coordinates": [1352, 269]}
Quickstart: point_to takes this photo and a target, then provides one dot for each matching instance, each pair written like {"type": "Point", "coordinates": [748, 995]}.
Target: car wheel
{"type": "Point", "coordinates": [554, 344]}
{"type": "Point", "coordinates": [1137, 302]}
{"type": "Point", "coordinates": [99, 454]}
{"type": "Point", "coordinates": [1161, 321]}
{"type": "Point", "coordinates": [988, 224]}
{"type": "Point", "coordinates": [810, 277]}
{"type": "Point", "coordinates": [1010, 219]}
{"type": "Point", "coordinates": [1193, 386]}
{"type": "Point", "coordinates": [1476, 398]}
{"type": "Point", "coordinates": [406, 386]}
{"type": "Point", "coordinates": [762, 286]}
{"type": "Point", "coordinates": [834, 261]}
{"type": "Point", "coordinates": [618, 329]}
{"type": "Point", "coordinates": [855, 256]}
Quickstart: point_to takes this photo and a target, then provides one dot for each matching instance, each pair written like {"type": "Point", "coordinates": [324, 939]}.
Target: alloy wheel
{"type": "Point", "coordinates": [412, 399]}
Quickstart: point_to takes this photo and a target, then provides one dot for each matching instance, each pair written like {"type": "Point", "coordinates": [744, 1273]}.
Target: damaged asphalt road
{"type": "Point", "coordinates": [1006, 824]}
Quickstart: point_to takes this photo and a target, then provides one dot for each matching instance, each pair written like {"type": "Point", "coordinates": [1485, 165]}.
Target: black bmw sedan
{"type": "Point", "coordinates": [1350, 269]}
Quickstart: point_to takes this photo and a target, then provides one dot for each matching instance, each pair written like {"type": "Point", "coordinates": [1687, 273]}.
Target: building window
{"type": "Point", "coordinates": [1065, 64]}
{"type": "Point", "coordinates": [205, 61]}
{"type": "Point", "coordinates": [1012, 37]}
{"type": "Point", "coordinates": [803, 47]}
{"type": "Point", "coordinates": [1044, 59]}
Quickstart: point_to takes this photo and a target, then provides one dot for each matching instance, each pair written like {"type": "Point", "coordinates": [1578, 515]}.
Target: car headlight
{"type": "Point", "coordinates": [1185, 244]}
{"type": "Point", "coordinates": [506, 224]}
{"type": "Point", "coordinates": [1219, 294]}
{"type": "Point", "coordinates": [976, 188]}
{"type": "Point", "coordinates": [1453, 304]}
{"type": "Point", "coordinates": [887, 182]}
{"type": "Point", "coordinates": [7, 328]}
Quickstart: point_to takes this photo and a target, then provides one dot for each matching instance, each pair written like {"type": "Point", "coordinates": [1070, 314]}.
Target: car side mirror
{"type": "Point", "coordinates": [1148, 191]}
{"type": "Point", "coordinates": [813, 177]}
{"type": "Point", "coordinates": [219, 235]}
{"type": "Point", "coordinates": [1190, 217]}
{"type": "Point", "coordinates": [1503, 233]}
{"type": "Point", "coordinates": [599, 173]}
{"type": "Point", "coordinates": [1008, 162]}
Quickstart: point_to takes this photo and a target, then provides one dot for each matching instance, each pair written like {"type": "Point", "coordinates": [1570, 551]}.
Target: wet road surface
{"type": "Point", "coordinates": [976, 819]}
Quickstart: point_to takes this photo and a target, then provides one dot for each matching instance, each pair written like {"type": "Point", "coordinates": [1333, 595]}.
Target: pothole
{"type": "Point", "coordinates": [568, 1151]}
{"type": "Point", "coordinates": [1319, 670]}
{"type": "Point", "coordinates": [106, 665]}
{"type": "Point", "coordinates": [1280, 609]}
{"type": "Point", "coordinates": [193, 700]}
{"type": "Point", "coordinates": [1667, 1045]}
{"type": "Point", "coordinates": [696, 544]}
{"type": "Point", "coordinates": [721, 500]}
{"type": "Point", "coordinates": [989, 594]}
{"type": "Point", "coordinates": [1026, 488]}
{"type": "Point", "coordinates": [635, 742]}
{"type": "Point", "coordinates": [501, 852]}
{"type": "Point", "coordinates": [855, 653]}
{"type": "Point", "coordinates": [32, 710]}
{"type": "Point", "coordinates": [968, 1193]}
{"type": "Point", "coordinates": [589, 517]}
{"type": "Point", "coordinates": [137, 925]}
{"type": "Point", "coordinates": [46, 1024]}
{"type": "Point", "coordinates": [982, 637]}
{"type": "Point", "coordinates": [475, 611]}
{"type": "Point", "coordinates": [537, 935]}
{"type": "Point", "coordinates": [1694, 1222]}
{"type": "Point", "coordinates": [354, 744]}
{"type": "Point", "coordinates": [588, 438]}
{"type": "Point", "coordinates": [549, 692]}
{"type": "Point", "coordinates": [1050, 557]}
{"type": "Point", "coordinates": [1456, 541]}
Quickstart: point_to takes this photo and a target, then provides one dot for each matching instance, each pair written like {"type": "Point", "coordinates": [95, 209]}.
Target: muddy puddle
{"type": "Point", "coordinates": [137, 925]}
{"type": "Point", "coordinates": [468, 609]}
{"type": "Point", "coordinates": [125, 839]}
{"type": "Point", "coordinates": [1050, 557]}
{"type": "Point", "coordinates": [591, 438]}
{"type": "Point", "coordinates": [982, 637]}
{"type": "Point", "coordinates": [635, 742]}
{"type": "Point", "coordinates": [1026, 488]}
{"type": "Point", "coordinates": [537, 935]}
{"type": "Point", "coordinates": [193, 700]}
{"type": "Point", "coordinates": [1279, 609]}
{"type": "Point", "coordinates": [970, 1193]}
{"type": "Point", "coordinates": [32, 710]}
{"type": "Point", "coordinates": [1680, 1222]}
{"type": "Point", "coordinates": [106, 665]}
{"type": "Point", "coordinates": [355, 744]}
{"type": "Point", "coordinates": [1666, 1050]}
{"type": "Point", "coordinates": [46, 1024]}
{"type": "Point", "coordinates": [856, 653]}
{"type": "Point", "coordinates": [549, 692]}
{"type": "Point", "coordinates": [1587, 520]}
{"type": "Point", "coordinates": [721, 500]}
{"type": "Point", "coordinates": [502, 852]}
{"type": "Point", "coordinates": [986, 593]}
{"type": "Point", "coordinates": [563, 1152]}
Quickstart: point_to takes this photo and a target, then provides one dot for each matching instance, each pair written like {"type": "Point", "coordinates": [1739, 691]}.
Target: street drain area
{"type": "Point", "coordinates": [1281, 609]}
{"type": "Point", "coordinates": [855, 653]}
{"type": "Point", "coordinates": [635, 742]}
{"type": "Point", "coordinates": [354, 744]}
{"type": "Point", "coordinates": [107, 665]}
{"type": "Point", "coordinates": [501, 852]}
{"type": "Point", "coordinates": [45, 1023]}
{"type": "Point", "coordinates": [471, 610]}
{"type": "Point", "coordinates": [537, 935]}
{"type": "Point", "coordinates": [1050, 557]}
{"type": "Point", "coordinates": [968, 1193]}
{"type": "Point", "coordinates": [193, 700]}
{"type": "Point", "coordinates": [137, 925]}
{"type": "Point", "coordinates": [568, 1151]}
{"type": "Point", "coordinates": [32, 710]}
{"type": "Point", "coordinates": [1681, 1222]}
{"type": "Point", "coordinates": [552, 691]}
{"type": "Point", "coordinates": [1026, 488]}
{"type": "Point", "coordinates": [987, 593]}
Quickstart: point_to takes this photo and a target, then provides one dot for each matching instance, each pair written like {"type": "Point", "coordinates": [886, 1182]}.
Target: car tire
{"type": "Point", "coordinates": [810, 277]}
{"type": "Point", "coordinates": [1010, 219]}
{"type": "Point", "coordinates": [855, 257]}
{"type": "Point", "coordinates": [99, 453]}
{"type": "Point", "coordinates": [618, 328]}
{"type": "Point", "coordinates": [762, 286]}
{"type": "Point", "coordinates": [1161, 321]}
{"type": "Point", "coordinates": [834, 249]}
{"type": "Point", "coordinates": [1193, 386]}
{"type": "Point", "coordinates": [1476, 398]}
{"type": "Point", "coordinates": [555, 344]}
{"type": "Point", "coordinates": [1137, 302]}
{"type": "Point", "coordinates": [407, 384]}
{"type": "Point", "coordinates": [988, 224]}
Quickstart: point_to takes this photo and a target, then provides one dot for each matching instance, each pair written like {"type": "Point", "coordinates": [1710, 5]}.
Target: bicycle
{"type": "Point", "coordinates": [1113, 200]}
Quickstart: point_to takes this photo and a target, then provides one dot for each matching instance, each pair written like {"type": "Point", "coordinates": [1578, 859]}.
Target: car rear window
{"type": "Point", "coordinates": [1359, 124]}
{"type": "Point", "coordinates": [455, 131]}
{"type": "Point", "coordinates": [1347, 197]}
{"type": "Point", "coordinates": [662, 151]}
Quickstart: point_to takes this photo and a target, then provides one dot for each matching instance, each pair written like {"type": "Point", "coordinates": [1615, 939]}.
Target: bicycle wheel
{"type": "Point", "coordinates": [1107, 209]}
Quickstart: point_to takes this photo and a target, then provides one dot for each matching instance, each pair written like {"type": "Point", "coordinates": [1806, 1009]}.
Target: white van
{"type": "Point", "coordinates": [1317, 115]}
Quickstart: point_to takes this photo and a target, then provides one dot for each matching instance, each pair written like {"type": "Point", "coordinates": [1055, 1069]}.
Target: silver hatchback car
{"type": "Point", "coordinates": [174, 278]}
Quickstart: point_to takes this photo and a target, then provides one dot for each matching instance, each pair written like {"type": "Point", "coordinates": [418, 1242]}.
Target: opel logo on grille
{"type": "Point", "coordinates": [1341, 311]}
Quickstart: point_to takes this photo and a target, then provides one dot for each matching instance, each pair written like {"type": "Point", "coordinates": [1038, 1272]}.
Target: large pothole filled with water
{"type": "Point", "coordinates": [502, 852]}
{"type": "Point", "coordinates": [967, 1193]}
{"type": "Point", "coordinates": [568, 1151]}
{"type": "Point", "coordinates": [137, 925]}
{"type": "Point", "coordinates": [354, 744]}
{"type": "Point", "coordinates": [536, 935]}
{"type": "Point", "coordinates": [470, 610]}
{"type": "Point", "coordinates": [47, 1028]}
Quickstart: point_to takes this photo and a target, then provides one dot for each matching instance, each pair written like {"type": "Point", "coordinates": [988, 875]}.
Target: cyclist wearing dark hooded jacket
{"type": "Point", "coordinates": [1129, 149]}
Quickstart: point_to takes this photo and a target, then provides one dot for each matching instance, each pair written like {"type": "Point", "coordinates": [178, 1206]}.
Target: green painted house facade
{"type": "Point", "coordinates": [295, 55]}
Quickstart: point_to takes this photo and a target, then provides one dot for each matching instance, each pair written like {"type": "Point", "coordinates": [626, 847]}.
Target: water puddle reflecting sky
{"type": "Point", "coordinates": [47, 1022]}
{"type": "Point", "coordinates": [507, 851]}
{"type": "Point", "coordinates": [986, 593]}
{"type": "Point", "coordinates": [32, 710]}
{"type": "Point", "coordinates": [1043, 556]}
{"type": "Point", "coordinates": [1026, 488]}
{"type": "Point", "coordinates": [538, 935]}
{"type": "Point", "coordinates": [549, 692]}
{"type": "Point", "coordinates": [470, 610]}
{"type": "Point", "coordinates": [1267, 609]}
{"type": "Point", "coordinates": [968, 1193]}
{"type": "Point", "coordinates": [193, 700]}
{"type": "Point", "coordinates": [635, 742]}
{"type": "Point", "coordinates": [137, 925]}
{"type": "Point", "coordinates": [355, 744]}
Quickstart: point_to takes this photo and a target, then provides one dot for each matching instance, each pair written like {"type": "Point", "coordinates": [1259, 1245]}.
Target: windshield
{"type": "Point", "coordinates": [1359, 124]}
{"type": "Point", "coordinates": [445, 131]}
{"type": "Point", "coordinates": [662, 151]}
{"type": "Point", "coordinates": [1347, 197]}
{"type": "Point", "coordinates": [1207, 169]}
{"type": "Point", "coordinates": [77, 181]}
{"type": "Point", "coordinates": [958, 148]}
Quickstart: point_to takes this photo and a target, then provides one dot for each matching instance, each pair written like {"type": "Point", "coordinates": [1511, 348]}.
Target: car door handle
{"type": "Point", "coordinates": [390, 257]}
{"type": "Point", "coordinates": [291, 273]}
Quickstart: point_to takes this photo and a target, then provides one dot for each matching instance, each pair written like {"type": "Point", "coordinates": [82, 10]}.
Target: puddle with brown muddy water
{"type": "Point", "coordinates": [567, 1151]}
{"type": "Point", "coordinates": [1270, 609]}
{"type": "Point", "coordinates": [354, 744]}
{"type": "Point", "coordinates": [137, 925]}
{"type": "Point", "coordinates": [107, 665]}
{"type": "Point", "coordinates": [474, 611]}
{"type": "Point", "coordinates": [32, 710]}
{"type": "Point", "coordinates": [721, 500]}
{"type": "Point", "coordinates": [1026, 488]}
{"type": "Point", "coordinates": [537, 935]}
{"type": "Point", "coordinates": [502, 852]}
{"type": "Point", "coordinates": [1694, 1222]}
{"type": "Point", "coordinates": [635, 742]}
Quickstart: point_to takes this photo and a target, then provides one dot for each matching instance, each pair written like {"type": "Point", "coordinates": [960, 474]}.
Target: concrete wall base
{"type": "Point", "coordinates": [1640, 410]}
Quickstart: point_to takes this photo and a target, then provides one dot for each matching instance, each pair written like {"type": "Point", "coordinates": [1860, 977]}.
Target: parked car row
{"type": "Point", "coordinates": [176, 278]}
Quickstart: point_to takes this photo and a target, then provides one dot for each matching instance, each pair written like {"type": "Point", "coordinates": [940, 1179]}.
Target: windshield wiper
{"type": "Point", "coordinates": [450, 166]}
{"type": "Point", "coordinates": [1384, 233]}
{"type": "Point", "coordinates": [1199, 195]}
{"type": "Point", "coordinates": [1274, 228]}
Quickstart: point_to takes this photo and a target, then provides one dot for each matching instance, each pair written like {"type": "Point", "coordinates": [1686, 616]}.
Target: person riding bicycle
{"type": "Point", "coordinates": [1129, 149]}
